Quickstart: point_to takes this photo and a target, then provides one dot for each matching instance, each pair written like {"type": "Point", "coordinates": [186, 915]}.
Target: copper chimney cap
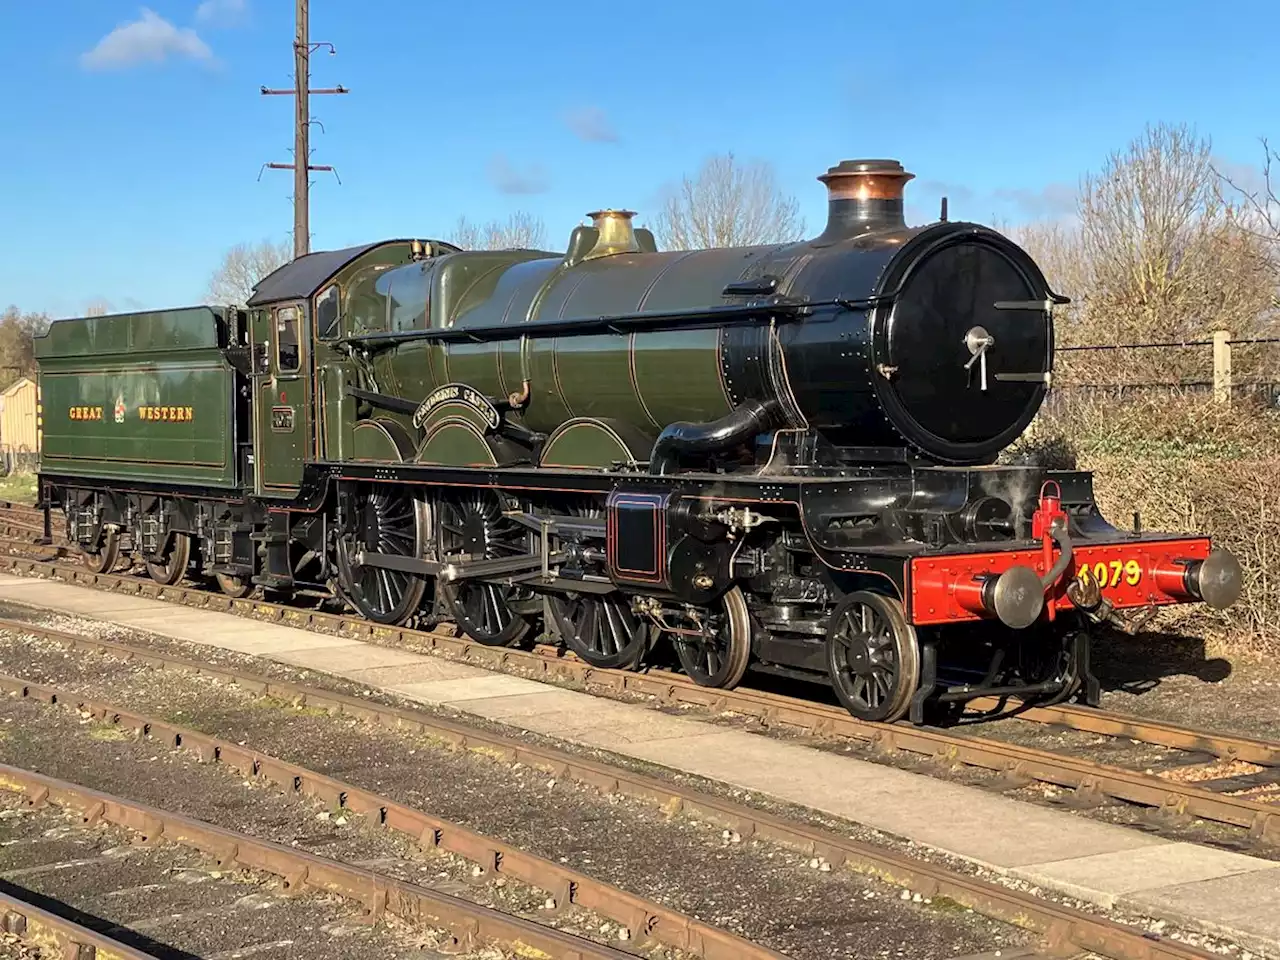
{"type": "Point", "coordinates": [863, 196]}
{"type": "Point", "coordinates": [866, 180]}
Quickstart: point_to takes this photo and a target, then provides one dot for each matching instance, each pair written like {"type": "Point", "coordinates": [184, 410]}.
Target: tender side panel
{"type": "Point", "coordinates": [141, 397]}
{"type": "Point", "coordinates": [129, 334]}
{"type": "Point", "coordinates": [140, 419]}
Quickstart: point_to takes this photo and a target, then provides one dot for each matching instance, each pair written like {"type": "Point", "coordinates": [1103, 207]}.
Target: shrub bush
{"type": "Point", "coordinates": [1186, 465]}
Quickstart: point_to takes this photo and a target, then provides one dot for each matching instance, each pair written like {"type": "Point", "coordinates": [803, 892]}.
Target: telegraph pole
{"type": "Point", "coordinates": [302, 93]}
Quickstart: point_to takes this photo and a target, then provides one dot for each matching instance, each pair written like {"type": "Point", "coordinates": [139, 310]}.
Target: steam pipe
{"type": "Point", "coordinates": [1058, 531]}
{"type": "Point", "coordinates": [685, 437]}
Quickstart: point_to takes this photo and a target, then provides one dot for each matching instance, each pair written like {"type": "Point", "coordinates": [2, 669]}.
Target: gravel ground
{"type": "Point", "coordinates": [65, 744]}
{"type": "Point", "coordinates": [11, 948]}
{"type": "Point", "coordinates": [169, 901]}
{"type": "Point", "coordinates": [799, 814]}
{"type": "Point", "coordinates": [1171, 678]}
{"type": "Point", "coordinates": [761, 892]}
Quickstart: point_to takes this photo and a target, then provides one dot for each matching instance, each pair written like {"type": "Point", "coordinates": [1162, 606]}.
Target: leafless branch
{"type": "Point", "coordinates": [241, 269]}
{"type": "Point", "coordinates": [727, 205]}
{"type": "Point", "coordinates": [521, 231]}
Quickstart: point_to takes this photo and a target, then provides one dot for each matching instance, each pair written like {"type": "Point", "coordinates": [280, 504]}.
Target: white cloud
{"type": "Point", "coordinates": [592, 125]}
{"type": "Point", "coordinates": [149, 38]}
{"type": "Point", "coordinates": [221, 12]}
{"type": "Point", "coordinates": [509, 179]}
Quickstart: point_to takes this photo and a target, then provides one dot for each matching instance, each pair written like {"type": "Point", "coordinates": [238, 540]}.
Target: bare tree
{"type": "Point", "coordinates": [242, 267]}
{"type": "Point", "coordinates": [727, 205]}
{"type": "Point", "coordinates": [521, 231]}
{"type": "Point", "coordinates": [1256, 208]}
{"type": "Point", "coordinates": [17, 331]}
{"type": "Point", "coordinates": [1057, 247]}
{"type": "Point", "coordinates": [1164, 259]}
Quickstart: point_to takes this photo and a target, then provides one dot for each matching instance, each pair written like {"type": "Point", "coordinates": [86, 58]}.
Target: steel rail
{"type": "Point", "coordinates": [1227, 746]}
{"type": "Point", "coordinates": [1064, 928]}
{"type": "Point", "coordinates": [767, 706]}
{"type": "Point", "coordinates": [645, 919]}
{"type": "Point", "coordinates": [1091, 780]}
{"type": "Point", "coordinates": [469, 924]}
{"type": "Point", "coordinates": [54, 935]}
{"type": "Point", "coordinates": [21, 508]}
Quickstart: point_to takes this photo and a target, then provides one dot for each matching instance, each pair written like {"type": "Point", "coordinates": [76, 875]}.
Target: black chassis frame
{"type": "Point", "coordinates": [899, 511]}
{"type": "Point", "coordinates": [903, 511]}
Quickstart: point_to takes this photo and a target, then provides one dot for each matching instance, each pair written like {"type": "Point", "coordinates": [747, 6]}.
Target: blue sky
{"type": "Point", "coordinates": [131, 137]}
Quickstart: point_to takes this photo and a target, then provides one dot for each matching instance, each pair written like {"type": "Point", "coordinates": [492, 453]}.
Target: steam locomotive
{"type": "Point", "coordinates": [779, 457]}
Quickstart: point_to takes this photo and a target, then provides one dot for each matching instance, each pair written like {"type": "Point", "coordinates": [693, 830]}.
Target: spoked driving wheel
{"type": "Point", "coordinates": [471, 527]}
{"type": "Point", "coordinates": [103, 560]}
{"type": "Point", "coordinates": [171, 569]}
{"type": "Point", "coordinates": [602, 630]}
{"type": "Point", "coordinates": [714, 646]}
{"type": "Point", "coordinates": [873, 656]}
{"type": "Point", "coordinates": [388, 520]}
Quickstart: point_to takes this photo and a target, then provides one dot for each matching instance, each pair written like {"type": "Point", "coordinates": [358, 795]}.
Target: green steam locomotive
{"type": "Point", "coordinates": [779, 456]}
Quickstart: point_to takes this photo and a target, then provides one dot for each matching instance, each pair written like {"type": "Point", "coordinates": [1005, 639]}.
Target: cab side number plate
{"type": "Point", "coordinates": [282, 419]}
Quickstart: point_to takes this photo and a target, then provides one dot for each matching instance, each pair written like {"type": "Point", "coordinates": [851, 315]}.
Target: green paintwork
{"type": "Point", "coordinates": [334, 369]}
{"type": "Point", "coordinates": [597, 444]}
{"type": "Point", "coordinates": [646, 380]}
{"type": "Point", "coordinates": [381, 439]}
{"type": "Point", "coordinates": [155, 366]}
{"type": "Point", "coordinates": [279, 452]}
{"type": "Point", "coordinates": [457, 443]}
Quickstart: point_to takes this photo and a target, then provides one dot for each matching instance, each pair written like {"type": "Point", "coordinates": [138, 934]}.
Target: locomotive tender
{"type": "Point", "coordinates": [781, 456]}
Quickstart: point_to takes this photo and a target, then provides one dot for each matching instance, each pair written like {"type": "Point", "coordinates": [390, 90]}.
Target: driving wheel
{"type": "Point", "coordinates": [873, 656]}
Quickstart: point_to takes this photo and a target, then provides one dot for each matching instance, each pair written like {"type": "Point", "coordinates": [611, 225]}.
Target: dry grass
{"type": "Point", "coordinates": [1187, 465]}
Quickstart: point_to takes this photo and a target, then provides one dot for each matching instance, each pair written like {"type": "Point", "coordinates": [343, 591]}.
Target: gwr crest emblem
{"type": "Point", "coordinates": [119, 409]}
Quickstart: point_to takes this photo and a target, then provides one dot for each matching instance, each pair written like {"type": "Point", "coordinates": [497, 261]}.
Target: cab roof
{"type": "Point", "coordinates": [302, 278]}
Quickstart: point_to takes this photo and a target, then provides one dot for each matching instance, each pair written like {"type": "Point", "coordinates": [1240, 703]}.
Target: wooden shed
{"type": "Point", "coordinates": [19, 437]}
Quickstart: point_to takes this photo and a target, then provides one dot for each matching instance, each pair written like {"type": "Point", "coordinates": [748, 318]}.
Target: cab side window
{"type": "Point", "coordinates": [288, 354]}
{"type": "Point", "coordinates": [327, 312]}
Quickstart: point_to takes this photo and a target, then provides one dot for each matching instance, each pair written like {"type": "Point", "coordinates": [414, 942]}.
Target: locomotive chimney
{"type": "Point", "coordinates": [616, 234]}
{"type": "Point", "coordinates": [862, 196]}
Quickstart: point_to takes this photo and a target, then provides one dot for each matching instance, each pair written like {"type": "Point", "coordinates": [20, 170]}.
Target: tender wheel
{"type": "Point", "coordinates": [385, 519]}
{"type": "Point", "coordinates": [472, 527]}
{"type": "Point", "coordinates": [715, 652]}
{"type": "Point", "coordinates": [602, 630]}
{"type": "Point", "coordinates": [103, 560]}
{"type": "Point", "coordinates": [233, 586]}
{"type": "Point", "coordinates": [175, 562]}
{"type": "Point", "coordinates": [873, 656]}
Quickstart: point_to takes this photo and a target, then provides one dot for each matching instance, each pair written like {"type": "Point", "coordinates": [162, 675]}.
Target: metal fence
{"type": "Point", "coordinates": [1229, 369]}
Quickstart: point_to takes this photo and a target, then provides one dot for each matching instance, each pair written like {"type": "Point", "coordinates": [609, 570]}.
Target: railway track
{"type": "Point", "coordinates": [1185, 786]}
{"type": "Point", "coordinates": [23, 918]}
{"type": "Point", "coordinates": [1063, 931]}
{"type": "Point", "coordinates": [643, 922]}
{"type": "Point", "coordinates": [235, 870]}
{"type": "Point", "coordinates": [1015, 765]}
